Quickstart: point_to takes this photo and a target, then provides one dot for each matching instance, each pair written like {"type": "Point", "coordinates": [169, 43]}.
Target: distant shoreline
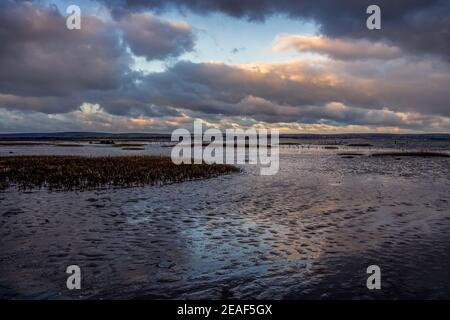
{"type": "Point", "coordinates": [164, 137]}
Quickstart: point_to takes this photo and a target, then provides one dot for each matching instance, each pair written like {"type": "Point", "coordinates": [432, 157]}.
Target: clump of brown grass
{"type": "Point", "coordinates": [80, 173]}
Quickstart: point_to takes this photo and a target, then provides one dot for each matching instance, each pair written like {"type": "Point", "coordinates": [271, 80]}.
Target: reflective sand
{"type": "Point", "coordinates": [308, 232]}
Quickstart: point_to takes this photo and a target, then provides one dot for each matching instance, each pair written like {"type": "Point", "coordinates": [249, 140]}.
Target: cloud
{"type": "Point", "coordinates": [48, 104]}
{"type": "Point", "coordinates": [237, 50]}
{"type": "Point", "coordinates": [91, 117]}
{"type": "Point", "coordinates": [46, 67]}
{"type": "Point", "coordinates": [342, 49]}
{"type": "Point", "coordinates": [88, 117]}
{"type": "Point", "coordinates": [48, 72]}
{"type": "Point", "coordinates": [153, 38]}
{"type": "Point", "coordinates": [421, 26]}
{"type": "Point", "coordinates": [39, 56]}
{"type": "Point", "coordinates": [216, 88]}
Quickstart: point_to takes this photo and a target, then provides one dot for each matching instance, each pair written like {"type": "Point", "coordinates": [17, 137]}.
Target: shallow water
{"type": "Point", "coordinates": [308, 232]}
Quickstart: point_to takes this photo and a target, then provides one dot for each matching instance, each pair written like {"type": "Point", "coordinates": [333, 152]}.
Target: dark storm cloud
{"type": "Point", "coordinates": [47, 104]}
{"type": "Point", "coordinates": [39, 56]}
{"type": "Point", "coordinates": [301, 84]}
{"type": "Point", "coordinates": [154, 38]}
{"type": "Point", "coordinates": [417, 25]}
{"type": "Point", "coordinates": [189, 83]}
{"type": "Point", "coordinates": [131, 103]}
{"type": "Point", "coordinates": [342, 92]}
{"type": "Point", "coordinates": [46, 67]}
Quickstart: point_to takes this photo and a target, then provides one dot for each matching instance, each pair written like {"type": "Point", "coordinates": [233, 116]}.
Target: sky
{"type": "Point", "coordinates": [155, 66]}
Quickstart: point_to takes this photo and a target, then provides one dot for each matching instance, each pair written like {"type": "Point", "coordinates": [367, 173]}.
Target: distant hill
{"type": "Point", "coordinates": [166, 136]}
{"type": "Point", "coordinates": [81, 135]}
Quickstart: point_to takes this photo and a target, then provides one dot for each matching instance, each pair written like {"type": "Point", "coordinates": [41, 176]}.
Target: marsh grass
{"type": "Point", "coordinates": [86, 173]}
